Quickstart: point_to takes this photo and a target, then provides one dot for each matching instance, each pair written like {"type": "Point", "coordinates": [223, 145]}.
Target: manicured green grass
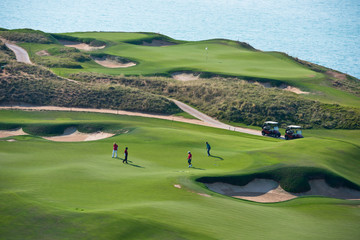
{"type": "Point", "coordinates": [52, 190]}
{"type": "Point", "coordinates": [223, 57]}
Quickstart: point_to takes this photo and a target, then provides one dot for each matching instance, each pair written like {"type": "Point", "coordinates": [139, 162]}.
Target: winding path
{"type": "Point", "coordinates": [205, 120]}
{"type": "Point", "coordinates": [20, 53]}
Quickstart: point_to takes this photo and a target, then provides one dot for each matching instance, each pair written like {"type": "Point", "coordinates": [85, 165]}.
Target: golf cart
{"type": "Point", "coordinates": [293, 132]}
{"type": "Point", "coordinates": [271, 128]}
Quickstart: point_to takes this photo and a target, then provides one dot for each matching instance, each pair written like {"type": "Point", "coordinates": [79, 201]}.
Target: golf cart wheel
{"type": "Point", "coordinates": [278, 135]}
{"type": "Point", "coordinates": [286, 137]}
{"type": "Point", "coordinates": [263, 133]}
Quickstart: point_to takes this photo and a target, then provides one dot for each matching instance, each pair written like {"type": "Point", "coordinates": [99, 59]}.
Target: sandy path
{"type": "Point", "coordinates": [266, 190]}
{"type": "Point", "coordinates": [20, 53]}
{"type": "Point", "coordinates": [204, 119]}
{"type": "Point", "coordinates": [119, 112]}
{"type": "Point", "coordinates": [211, 121]}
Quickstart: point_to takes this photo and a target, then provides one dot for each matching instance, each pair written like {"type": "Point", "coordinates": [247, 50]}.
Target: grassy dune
{"type": "Point", "coordinates": [223, 57]}
{"type": "Point", "coordinates": [53, 190]}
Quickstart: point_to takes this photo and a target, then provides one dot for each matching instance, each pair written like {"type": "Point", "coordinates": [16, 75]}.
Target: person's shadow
{"type": "Point", "coordinates": [131, 164]}
{"type": "Point", "coordinates": [216, 157]}
{"type": "Point", "coordinates": [197, 168]}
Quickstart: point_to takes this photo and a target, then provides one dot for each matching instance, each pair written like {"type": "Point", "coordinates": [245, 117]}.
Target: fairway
{"type": "Point", "coordinates": [75, 190]}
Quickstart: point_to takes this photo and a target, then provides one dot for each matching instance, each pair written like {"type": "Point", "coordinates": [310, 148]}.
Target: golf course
{"type": "Point", "coordinates": [60, 181]}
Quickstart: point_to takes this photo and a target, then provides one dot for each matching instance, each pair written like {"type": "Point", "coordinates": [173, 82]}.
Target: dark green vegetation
{"type": "Point", "coordinates": [52, 190]}
{"type": "Point", "coordinates": [235, 100]}
{"type": "Point", "coordinates": [291, 179]}
{"type": "Point", "coordinates": [226, 91]}
{"type": "Point", "coordinates": [36, 85]}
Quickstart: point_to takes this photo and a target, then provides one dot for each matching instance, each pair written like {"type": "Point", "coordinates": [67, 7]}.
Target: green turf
{"type": "Point", "coordinates": [53, 190]}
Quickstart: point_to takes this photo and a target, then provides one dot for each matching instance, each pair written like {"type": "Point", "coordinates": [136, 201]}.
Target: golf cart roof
{"type": "Point", "coordinates": [270, 122]}
{"type": "Point", "coordinates": [294, 126]}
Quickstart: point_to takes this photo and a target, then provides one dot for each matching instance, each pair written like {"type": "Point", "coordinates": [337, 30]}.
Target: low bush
{"type": "Point", "coordinates": [27, 35]}
{"type": "Point", "coordinates": [35, 85]}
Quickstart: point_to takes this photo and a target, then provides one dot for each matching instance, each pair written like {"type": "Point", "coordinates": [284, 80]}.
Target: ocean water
{"type": "Point", "coordinates": [326, 32]}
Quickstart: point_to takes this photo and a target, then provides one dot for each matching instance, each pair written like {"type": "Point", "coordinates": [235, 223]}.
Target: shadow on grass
{"type": "Point", "coordinates": [131, 164]}
{"type": "Point", "coordinates": [197, 168]}
{"type": "Point", "coordinates": [216, 157]}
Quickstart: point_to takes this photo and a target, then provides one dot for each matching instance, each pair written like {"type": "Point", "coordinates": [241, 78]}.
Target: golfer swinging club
{"type": "Point", "coordinates": [189, 158]}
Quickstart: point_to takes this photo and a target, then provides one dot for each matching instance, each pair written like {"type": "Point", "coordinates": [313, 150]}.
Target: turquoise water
{"type": "Point", "coordinates": [325, 32]}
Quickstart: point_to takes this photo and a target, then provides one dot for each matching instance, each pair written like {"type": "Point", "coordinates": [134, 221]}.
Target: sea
{"type": "Point", "coordinates": [326, 32]}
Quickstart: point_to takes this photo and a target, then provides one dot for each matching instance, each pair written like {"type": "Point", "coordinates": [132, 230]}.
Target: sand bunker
{"type": "Point", "coordinates": [283, 87]}
{"type": "Point", "coordinates": [266, 190]}
{"type": "Point", "coordinates": [292, 89]}
{"type": "Point", "coordinates": [158, 43]}
{"type": "Point", "coordinates": [185, 76]}
{"type": "Point", "coordinates": [73, 135]}
{"type": "Point", "coordinates": [80, 46]}
{"type": "Point", "coordinates": [112, 63]}
{"type": "Point", "coordinates": [43, 53]}
{"type": "Point", "coordinates": [11, 133]}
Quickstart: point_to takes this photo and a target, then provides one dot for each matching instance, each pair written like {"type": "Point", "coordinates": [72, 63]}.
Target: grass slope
{"type": "Point", "coordinates": [52, 190]}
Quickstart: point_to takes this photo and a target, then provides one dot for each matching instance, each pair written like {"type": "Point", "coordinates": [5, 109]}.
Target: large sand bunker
{"type": "Point", "coordinates": [110, 63]}
{"type": "Point", "coordinates": [266, 190]}
{"type": "Point", "coordinates": [11, 133]}
{"type": "Point", "coordinates": [182, 76]}
{"type": "Point", "coordinates": [79, 45]}
{"type": "Point", "coordinates": [73, 135]}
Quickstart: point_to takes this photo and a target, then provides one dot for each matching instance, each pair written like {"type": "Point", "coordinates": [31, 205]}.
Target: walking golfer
{"type": "Point", "coordinates": [208, 148]}
{"type": "Point", "coordinates": [115, 147]}
{"type": "Point", "coordinates": [125, 155]}
{"type": "Point", "coordinates": [189, 159]}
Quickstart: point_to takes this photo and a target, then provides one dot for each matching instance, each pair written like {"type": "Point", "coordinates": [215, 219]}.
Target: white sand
{"type": "Point", "coordinates": [283, 87]}
{"type": "Point", "coordinates": [266, 190]}
{"type": "Point", "coordinates": [292, 89]}
{"type": "Point", "coordinates": [73, 135]}
{"type": "Point", "coordinates": [10, 133]}
{"type": "Point", "coordinates": [185, 76]}
{"type": "Point", "coordinates": [113, 64]}
{"type": "Point", "coordinates": [80, 46]}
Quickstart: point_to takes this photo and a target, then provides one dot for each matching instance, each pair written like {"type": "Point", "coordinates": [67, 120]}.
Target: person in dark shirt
{"type": "Point", "coordinates": [208, 148]}
{"type": "Point", "coordinates": [125, 155]}
{"type": "Point", "coordinates": [189, 158]}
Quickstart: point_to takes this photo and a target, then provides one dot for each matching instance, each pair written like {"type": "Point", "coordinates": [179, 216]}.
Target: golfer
{"type": "Point", "coordinates": [208, 148]}
{"type": "Point", "coordinates": [115, 148]}
{"type": "Point", "coordinates": [125, 155]}
{"type": "Point", "coordinates": [189, 159]}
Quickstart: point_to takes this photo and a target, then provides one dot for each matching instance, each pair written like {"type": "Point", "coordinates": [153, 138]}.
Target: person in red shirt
{"type": "Point", "coordinates": [125, 155]}
{"type": "Point", "coordinates": [189, 159]}
{"type": "Point", "coordinates": [115, 148]}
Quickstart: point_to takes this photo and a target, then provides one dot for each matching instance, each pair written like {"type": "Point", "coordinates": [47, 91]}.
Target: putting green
{"type": "Point", "coordinates": [52, 190]}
